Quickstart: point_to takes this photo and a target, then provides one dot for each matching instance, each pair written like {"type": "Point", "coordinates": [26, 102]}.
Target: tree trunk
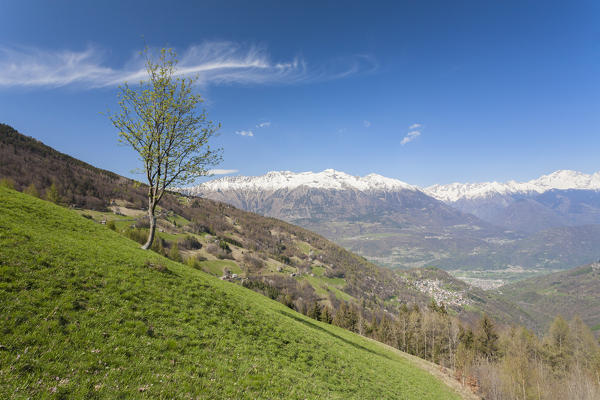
{"type": "Point", "coordinates": [152, 229]}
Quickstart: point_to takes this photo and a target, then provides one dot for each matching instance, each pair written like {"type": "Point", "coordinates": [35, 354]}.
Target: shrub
{"type": "Point", "coordinates": [32, 190]}
{"type": "Point", "coordinates": [199, 228]}
{"type": "Point", "coordinates": [137, 234]}
{"type": "Point", "coordinates": [252, 263]}
{"type": "Point", "coordinates": [285, 259]}
{"type": "Point", "coordinates": [7, 183]}
{"type": "Point", "coordinates": [53, 195]}
{"type": "Point", "coordinates": [193, 262]}
{"type": "Point", "coordinates": [334, 273]}
{"type": "Point", "coordinates": [174, 253]}
{"type": "Point", "coordinates": [232, 241]}
{"type": "Point", "coordinates": [142, 223]}
{"type": "Point", "coordinates": [190, 243]}
{"type": "Point", "coordinates": [217, 251]}
{"type": "Point", "coordinates": [224, 246]}
{"type": "Point", "coordinates": [263, 288]}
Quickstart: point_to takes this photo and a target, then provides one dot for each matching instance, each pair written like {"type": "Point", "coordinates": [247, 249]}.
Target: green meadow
{"type": "Point", "coordinates": [87, 314]}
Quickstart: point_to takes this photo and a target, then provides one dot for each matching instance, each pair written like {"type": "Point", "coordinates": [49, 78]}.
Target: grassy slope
{"type": "Point", "coordinates": [83, 315]}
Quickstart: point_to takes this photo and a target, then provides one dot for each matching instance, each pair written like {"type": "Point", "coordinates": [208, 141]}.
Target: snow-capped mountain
{"type": "Point", "coordinates": [451, 226]}
{"type": "Point", "coordinates": [559, 180]}
{"type": "Point", "coordinates": [562, 198]}
{"type": "Point", "coordinates": [278, 180]}
{"type": "Point", "coordinates": [308, 195]}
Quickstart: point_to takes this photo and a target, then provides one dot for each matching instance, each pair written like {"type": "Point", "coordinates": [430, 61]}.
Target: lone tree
{"type": "Point", "coordinates": [160, 119]}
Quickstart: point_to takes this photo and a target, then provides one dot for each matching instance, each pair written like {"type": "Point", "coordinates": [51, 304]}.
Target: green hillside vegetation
{"type": "Point", "coordinates": [567, 293]}
{"type": "Point", "coordinates": [87, 314]}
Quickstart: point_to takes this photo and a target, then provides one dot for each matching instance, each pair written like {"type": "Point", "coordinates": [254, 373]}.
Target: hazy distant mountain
{"type": "Point", "coordinates": [563, 198]}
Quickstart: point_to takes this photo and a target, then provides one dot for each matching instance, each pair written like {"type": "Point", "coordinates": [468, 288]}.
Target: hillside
{"type": "Point", "coordinates": [216, 236]}
{"type": "Point", "coordinates": [30, 162]}
{"type": "Point", "coordinates": [467, 228]}
{"type": "Point", "coordinates": [566, 293]}
{"type": "Point", "coordinates": [280, 260]}
{"type": "Point", "coordinates": [86, 313]}
{"type": "Point", "coordinates": [284, 262]}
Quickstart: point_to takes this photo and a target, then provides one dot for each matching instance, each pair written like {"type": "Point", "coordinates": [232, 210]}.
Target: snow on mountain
{"type": "Point", "coordinates": [563, 180]}
{"type": "Point", "coordinates": [328, 179]}
{"type": "Point", "coordinates": [332, 179]}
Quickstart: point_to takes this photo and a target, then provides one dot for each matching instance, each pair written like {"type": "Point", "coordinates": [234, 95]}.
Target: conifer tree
{"type": "Point", "coordinates": [315, 311]}
{"type": "Point", "coordinates": [487, 338]}
{"type": "Point", "coordinates": [326, 315]}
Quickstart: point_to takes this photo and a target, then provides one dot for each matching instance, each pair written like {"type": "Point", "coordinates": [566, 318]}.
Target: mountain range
{"type": "Point", "coordinates": [548, 223]}
{"type": "Point", "coordinates": [563, 198]}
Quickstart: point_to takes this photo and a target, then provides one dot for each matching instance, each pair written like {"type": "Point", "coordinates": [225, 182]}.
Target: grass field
{"type": "Point", "coordinates": [216, 267]}
{"type": "Point", "coordinates": [87, 314]}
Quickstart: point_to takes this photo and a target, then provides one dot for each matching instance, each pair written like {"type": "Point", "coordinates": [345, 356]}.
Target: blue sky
{"type": "Point", "coordinates": [490, 90]}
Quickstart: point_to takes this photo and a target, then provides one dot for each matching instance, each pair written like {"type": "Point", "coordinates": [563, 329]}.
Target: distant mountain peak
{"type": "Point", "coordinates": [327, 179]}
{"type": "Point", "coordinates": [562, 180]}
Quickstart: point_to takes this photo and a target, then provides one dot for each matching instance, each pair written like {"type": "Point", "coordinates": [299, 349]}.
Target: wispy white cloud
{"type": "Point", "coordinates": [265, 124]}
{"type": "Point", "coordinates": [249, 132]}
{"type": "Point", "coordinates": [214, 63]}
{"type": "Point", "coordinates": [414, 132]}
{"type": "Point", "coordinates": [366, 123]}
{"type": "Point", "coordinates": [222, 171]}
{"type": "Point", "coordinates": [34, 67]}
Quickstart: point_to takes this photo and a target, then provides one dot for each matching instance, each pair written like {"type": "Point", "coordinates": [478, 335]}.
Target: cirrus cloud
{"type": "Point", "coordinates": [214, 63]}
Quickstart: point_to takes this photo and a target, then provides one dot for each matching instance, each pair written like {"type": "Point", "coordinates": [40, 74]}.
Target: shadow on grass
{"type": "Point", "coordinates": [315, 326]}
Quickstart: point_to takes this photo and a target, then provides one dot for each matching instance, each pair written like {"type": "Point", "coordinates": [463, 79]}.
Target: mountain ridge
{"type": "Point", "coordinates": [558, 180]}
{"type": "Point", "coordinates": [333, 179]}
{"type": "Point", "coordinates": [327, 179]}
